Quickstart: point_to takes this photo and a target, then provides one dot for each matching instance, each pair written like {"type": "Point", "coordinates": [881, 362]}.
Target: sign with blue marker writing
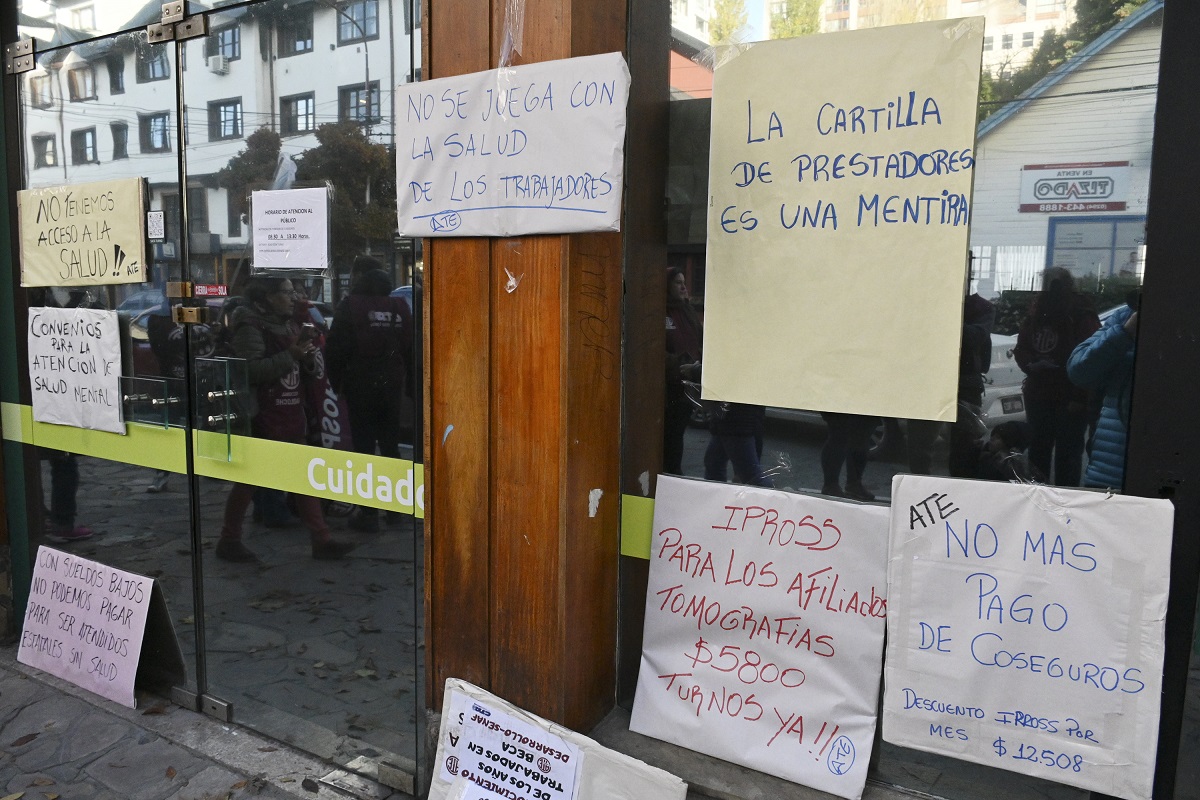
{"type": "Point", "coordinates": [1026, 629]}
{"type": "Point", "coordinates": [764, 630]}
{"type": "Point", "coordinates": [537, 148]}
{"type": "Point", "coordinates": [840, 191]}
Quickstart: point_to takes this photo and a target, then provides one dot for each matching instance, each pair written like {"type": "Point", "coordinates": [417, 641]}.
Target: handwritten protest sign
{"type": "Point", "coordinates": [530, 149]}
{"type": "Point", "coordinates": [764, 630]}
{"type": "Point", "coordinates": [84, 234]}
{"type": "Point", "coordinates": [838, 213]}
{"type": "Point", "coordinates": [75, 367]}
{"type": "Point", "coordinates": [1026, 629]}
{"type": "Point", "coordinates": [489, 749]}
{"type": "Point", "coordinates": [291, 229]}
{"type": "Point", "coordinates": [85, 622]}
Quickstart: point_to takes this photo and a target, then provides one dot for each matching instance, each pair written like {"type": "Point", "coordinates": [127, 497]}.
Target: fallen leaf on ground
{"type": "Point", "coordinates": [170, 773]}
{"type": "Point", "coordinates": [43, 782]}
{"type": "Point", "coordinates": [159, 709]}
{"type": "Point", "coordinates": [24, 740]}
{"type": "Point", "coordinates": [310, 785]}
{"type": "Point", "coordinates": [16, 796]}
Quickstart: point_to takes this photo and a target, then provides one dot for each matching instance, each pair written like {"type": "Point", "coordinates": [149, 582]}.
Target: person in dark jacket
{"type": "Point", "coordinates": [277, 357]}
{"type": "Point", "coordinates": [368, 359]}
{"type": "Point", "coordinates": [737, 435]}
{"type": "Point", "coordinates": [684, 337]}
{"type": "Point", "coordinates": [1059, 319]}
{"type": "Point", "coordinates": [1104, 364]}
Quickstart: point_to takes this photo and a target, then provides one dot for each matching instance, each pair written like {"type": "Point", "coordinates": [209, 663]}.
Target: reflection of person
{"type": "Point", "coordinates": [1104, 364]}
{"type": "Point", "coordinates": [737, 435]}
{"type": "Point", "coordinates": [847, 442]}
{"type": "Point", "coordinates": [368, 348]}
{"type": "Point", "coordinates": [974, 359]}
{"type": "Point", "coordinates": [64, 467]}
{"type": "Point", "coordinates": [277, 356]}
{"type": "Point", "coordinates": [1003, 457]}
{"type": "Point", "coordinates": [684, 337]}
{"type": "Point", "coordinates": [1059, 319]}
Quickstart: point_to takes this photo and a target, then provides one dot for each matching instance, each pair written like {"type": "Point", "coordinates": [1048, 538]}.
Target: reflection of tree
{"type": "Point", "coordinates": [728, 22]}
{"type": "Point", "coordinates": [791, 18]}
{"type": "Point", "coordinates": [1092, 18]}
{"type": "Point", "coordinates": [363, 176]}
{"type": "Point", "coordinates": [251, 169]}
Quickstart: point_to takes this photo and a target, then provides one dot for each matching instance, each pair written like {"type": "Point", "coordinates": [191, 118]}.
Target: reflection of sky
{"type": "Point", "coordinates": [754, 10]}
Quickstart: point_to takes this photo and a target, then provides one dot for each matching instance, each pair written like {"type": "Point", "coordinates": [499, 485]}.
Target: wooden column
{"type": "Point", "coordinates": [522, 443]}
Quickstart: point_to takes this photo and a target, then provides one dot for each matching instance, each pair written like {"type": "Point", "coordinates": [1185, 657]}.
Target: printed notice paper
{"type": "Point", "coordinates": [764, 630]}
{"type": "Point", "coordinates": [291, 229]}
{"type": "Point", "coordinates": [1026, 629]}
{"type": "Point", "coordinates": [75, 367]}
{"type": "Point", "coordinates": [85, 622]}
{"type": "Point", "coordinates": [537, 148]}
{"type": "Point", "coordinates": [489, 749]}
{"type": "Point", "coordinates": [838, 213]}
{"type": "Point", "coordinates": [84, 234]}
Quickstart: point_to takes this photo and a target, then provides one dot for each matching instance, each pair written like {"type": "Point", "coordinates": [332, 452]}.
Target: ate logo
{"type": "Point", "coordinates": [452, 765]}
{"type": "Point", "coordinates": [544, 764]}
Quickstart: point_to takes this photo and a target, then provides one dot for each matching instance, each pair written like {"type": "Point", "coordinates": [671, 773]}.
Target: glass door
{"type": "Point", "coordinates": [266, 473]}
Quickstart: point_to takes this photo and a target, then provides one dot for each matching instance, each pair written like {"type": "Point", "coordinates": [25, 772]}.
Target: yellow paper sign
{"type": "Point", "coordinates": [840, 186]}
{"type": "Point", "coordinates": [83, 234]}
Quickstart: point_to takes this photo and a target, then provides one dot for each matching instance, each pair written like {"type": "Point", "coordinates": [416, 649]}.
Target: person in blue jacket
{"type": "Point", "coordinates": [1103, 363]}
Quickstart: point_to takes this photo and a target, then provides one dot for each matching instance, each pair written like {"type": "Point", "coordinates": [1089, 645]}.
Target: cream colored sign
{"type": "Point", "coordinates": [83, 234]}
{"type": "Point", "coordinates": [840, 186]}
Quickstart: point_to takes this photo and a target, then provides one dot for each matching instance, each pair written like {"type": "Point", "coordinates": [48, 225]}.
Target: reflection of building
{"type": "Point", "coordinates": [106, 109]}
{"type": "Point", "coordinates": [1014, 27]}
{"type": "Point", "coordinates": [1062, 174]}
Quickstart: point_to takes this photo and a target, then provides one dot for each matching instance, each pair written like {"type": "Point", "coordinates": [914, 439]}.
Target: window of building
{"type": "Point", "coordinates": [296, 32]}
{"type": "Point", "coordinates": [152, 64]}
{"type": "Point", "coordinates": [81, 83]}
{"type": "Point", "coordinates": [298, 113]}
{"type": "Point", "coordinates": [1027, 39]}
{"type": "Point", "coordinates": [359, 103]}
{"type": "Point", "coordinates": [841, 6]}
{"type": "Point", "coordinates": [988, 43]}
{"type": "Point", "coordinates": [412, 16]}
{"type": "Point", "coordinates": [152, 132]}
{"type": "Point", "coordinates": [116, 73]}
{"type": "Point", "coordinates": [83, 146]}
{"type": "Point", "coordinates": [40, 92]}
{"type": "Point", "coordinates": [358, 21]}
{"type": "Point", "coordinates": [1006, 41]}
{"type": "Point", "coordinates": [1049, 6]}
{"type": "Point", "coordinates": [679, 8]}
{"type": "Point", "coordinates": [225, 119]}
{"type": "Point", "coordinates": [225, 42]}
{"type": "Point", "coordinates": [120, 140]}
{"type": "Point", "coordinates": [45, 150]}
{"type": "Point", "coordinates": [701, 24]}
{"type": "Point", "coordinates": [83, 18]}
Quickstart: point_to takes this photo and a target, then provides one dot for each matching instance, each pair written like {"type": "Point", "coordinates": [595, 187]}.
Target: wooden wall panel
{"type": "Point", "coordinates": [526, 470]}
{"type": "Point", "coordinates": [522, 511]}
{"type": "Point", "coordinates": [591, 498]}
{"type": "Point", "coordinates": [457, 341]}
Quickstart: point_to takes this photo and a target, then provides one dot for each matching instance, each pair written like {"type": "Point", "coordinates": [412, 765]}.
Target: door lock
{"type": "Point", "coordinates": [189, 315]}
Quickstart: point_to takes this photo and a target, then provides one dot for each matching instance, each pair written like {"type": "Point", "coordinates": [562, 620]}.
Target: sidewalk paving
{"type": "Point", "coordinates": [58, 742]}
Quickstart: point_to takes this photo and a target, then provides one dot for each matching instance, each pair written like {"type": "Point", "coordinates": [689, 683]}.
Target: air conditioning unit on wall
{"type": "Point", "coordinates": [218, 65]}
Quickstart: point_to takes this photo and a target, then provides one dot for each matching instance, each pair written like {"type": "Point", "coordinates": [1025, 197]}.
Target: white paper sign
{"type": "Point", "coordinates": [291, 229]}
{"type": "Point", "coordinates": [537, 148]}
{"type": "Point", "coordinates": [75, 367]}
{"type": "Point", "coordinates": [85, 622]}
{"type": "Point", "coordinates": [498, 751]}
{"type": "Point", "coordinates": [1026, 629]}
{"type": "Point", "coordinates": [764, 630]}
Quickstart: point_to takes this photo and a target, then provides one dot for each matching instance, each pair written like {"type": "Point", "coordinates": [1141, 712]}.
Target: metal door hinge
{"type": "Point", "coordinates": [189, 315]}
{"type": "Point", "coordinates": [174, 25]}
{"type": "Point", "coordinates": [179, 289]}
{"type": "Point", "coordinates": [18, 57]}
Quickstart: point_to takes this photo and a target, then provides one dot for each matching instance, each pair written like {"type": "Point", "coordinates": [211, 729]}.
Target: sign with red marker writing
{"type": "Point", "coordinates": [764, 630]}
{"type": "Point", "coordinates": [1026, 629]}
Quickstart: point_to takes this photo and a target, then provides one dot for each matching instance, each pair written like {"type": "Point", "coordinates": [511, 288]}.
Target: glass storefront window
{"type": "Point", "coordinates": [1057, 250]}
